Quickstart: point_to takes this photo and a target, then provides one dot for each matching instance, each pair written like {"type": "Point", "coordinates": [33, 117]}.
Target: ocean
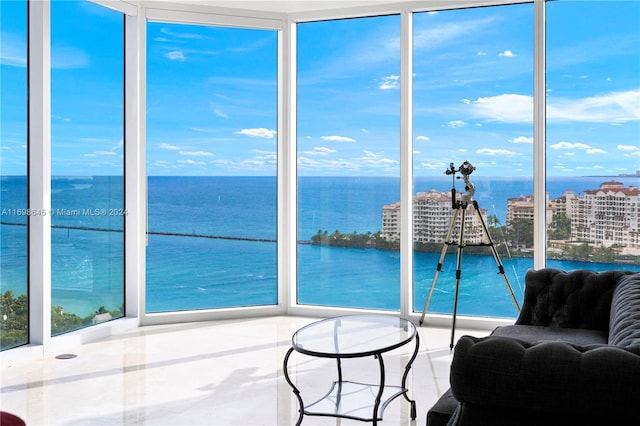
{"type": "Point", "coordinates": [190, 267]}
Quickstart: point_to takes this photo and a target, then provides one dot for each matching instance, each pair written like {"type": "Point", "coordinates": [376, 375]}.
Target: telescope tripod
{"type": "Point", "coordinates": [460, 244]}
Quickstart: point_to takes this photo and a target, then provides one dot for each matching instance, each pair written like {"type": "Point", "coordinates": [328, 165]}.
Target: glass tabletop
{"type": "Point", "coordinates": [353, 336]}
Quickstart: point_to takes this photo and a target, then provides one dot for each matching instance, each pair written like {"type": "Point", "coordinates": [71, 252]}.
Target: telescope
{"type": "Point", "coordinates": [465, 169]}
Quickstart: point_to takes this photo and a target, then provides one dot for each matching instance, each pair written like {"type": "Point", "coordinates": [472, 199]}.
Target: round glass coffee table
{"type": "Point", "coordinates": [354, 336]}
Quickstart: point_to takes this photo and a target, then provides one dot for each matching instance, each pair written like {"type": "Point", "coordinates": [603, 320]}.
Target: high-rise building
{"type": "Point", "coordinates": [432, 215]}
{"type": "Point", "coordinates": [607, 216]}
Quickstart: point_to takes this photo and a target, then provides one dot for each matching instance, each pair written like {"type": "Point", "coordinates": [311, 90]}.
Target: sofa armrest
{"type": "Point", "coordinates": [547, 376]}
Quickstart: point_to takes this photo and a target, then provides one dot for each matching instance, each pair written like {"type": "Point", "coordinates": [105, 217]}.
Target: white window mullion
{"type": "Point", "coordinates": [39, 173]}
{"type": "Point", "coordinates": [287, 172]}
{"type": "Point", "coordinates": [539, 137]}
{"type": "Point", "coordinates": [406, 163]}
{"type": "Point", "coordinates": [135, 171]}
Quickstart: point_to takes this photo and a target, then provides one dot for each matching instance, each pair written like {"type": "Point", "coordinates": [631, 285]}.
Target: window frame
{"type": "Point", "coordinates": [189, 14]}
{"type": "Point", "coordinates": [136, 14]}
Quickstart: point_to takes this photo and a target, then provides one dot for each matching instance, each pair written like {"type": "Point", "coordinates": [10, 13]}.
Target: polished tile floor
{"type": "Point", "coordinates": [209, 373]}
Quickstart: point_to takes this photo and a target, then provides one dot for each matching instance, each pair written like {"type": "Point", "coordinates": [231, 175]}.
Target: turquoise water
{"type": "Point", "coordinates": [197, 273]}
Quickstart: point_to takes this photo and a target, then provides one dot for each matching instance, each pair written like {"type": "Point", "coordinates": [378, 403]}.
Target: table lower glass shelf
{"type": "Point", "coordinates": [353, 400]}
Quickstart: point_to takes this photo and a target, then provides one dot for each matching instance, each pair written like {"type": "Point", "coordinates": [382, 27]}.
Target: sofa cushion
{"type": "Point", "coordinates": [574, 299]}
{"type": "Point", "coordinates": [536, 334]}
{"type": "Point", "coordinates": [624, 324]}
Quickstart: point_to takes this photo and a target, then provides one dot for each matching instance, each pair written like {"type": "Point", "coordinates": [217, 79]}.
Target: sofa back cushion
{"type": "Point", "coordinates": [574, 299]}
{"type": "Point", "coordinates": [624, 324]}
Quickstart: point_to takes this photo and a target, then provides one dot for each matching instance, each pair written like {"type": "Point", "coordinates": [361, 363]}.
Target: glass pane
{"type": "Point", "coordinates": [13, 175]}
{"type": "Point", "coordinates": [87, 165]}
{"type": "Point", "coordinates": [473, 86]}
{"type": "Point", "coordinates": [348, 161]}
{"type": "Point", "coordinates": [593, 129]}
{"type": "Point", "coordinates": [211, 160]}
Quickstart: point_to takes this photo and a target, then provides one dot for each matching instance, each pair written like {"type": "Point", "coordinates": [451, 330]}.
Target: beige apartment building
{"type": "Point", "coordinates": [432, 215]}
{"type": "Point", "coordinates": [606, 216]}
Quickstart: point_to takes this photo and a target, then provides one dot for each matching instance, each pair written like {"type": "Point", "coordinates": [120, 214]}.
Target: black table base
{"type": "Point", "coordinates": [352, 400]}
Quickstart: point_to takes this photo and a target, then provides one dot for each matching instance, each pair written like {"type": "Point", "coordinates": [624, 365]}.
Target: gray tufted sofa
{"type": "Point", "coordinates": [571, 358]}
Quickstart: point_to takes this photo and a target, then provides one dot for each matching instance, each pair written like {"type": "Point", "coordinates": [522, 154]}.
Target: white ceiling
{"type": "Point", "coordinates": [306, 8]}
{"type": "Point", "coordinates": [296, 6]}
{"type": "Point", "coordinates": [282, 6]}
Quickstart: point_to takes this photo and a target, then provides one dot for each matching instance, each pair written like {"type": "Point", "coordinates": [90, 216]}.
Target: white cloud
{"type": "Point", "coordinates": [260, 132]}
{"type": "Point", "coordinates": [175, 55]}
{"type": "Point", "coordinates": [595, 151]}
{"type": "Point", "coordinates": [493, 152]}
{"type": "Point", "coordinates": [482, 53]}
{"type": "Point", "coordinates": [456, 124]}
{"type": "Point", "coordinates": [320, 150]}
{"type": "Point", "coordinates": [613, 108]}
{"type": "Point", "coordinates": [308, 162]}
{"type": "Point", "coordinates": [14, 50]}
{"type": "Point", "coordinates": [390, 82]}
{"type": "Point", "coordinates": [437, 36]}
{"type": "Point", "coordinates": [162, 164]}
{"type": "Point", "coordinates": [168, 147]}
{"type": "Point", "coordinates": [423, 138]}
{"type": "Point", "coordinates": [181, 35]}
{"type": "Point", "coordinates": [339, 164]}
{"type": "Point", "coordinates": [100, 154]}
{"type": "Point", "coordinates": [522, 139]}
{"type": "Point", "coordinates": [192, 162]}
{"type": "Point", "coordinates": [465, 101]}
{"type": "Point", "coordinates": [628, 147]}
{"type": "Point", "coordinates": [510, 108]}
{"type": "Point", "coordinates": [373, 159]}
{"type": "Point", "coordinates": [337, 138]}
{"type": "Point", "coordinates": [588, 149]}
{"type": "Point", "coordinates": [434, 166]}
{"type": "Point", "coordinates": [220, 113]}
{"type": "Point", "coordinates": [506, 53]}
{"type": "Point", "coordinates": [569, 145]}
{"type": "Point", "coordinates": [370, 155]}
{"type": "Point", "coordinates": [197, 153]}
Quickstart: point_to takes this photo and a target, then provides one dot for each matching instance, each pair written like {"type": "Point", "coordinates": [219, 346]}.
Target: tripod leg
{"type": "Point", "coordinates": [458, 275]}
{"type": "Point", "coordinates": [440, 262]}
{"type": "Point", "coordinates": [496, 256]}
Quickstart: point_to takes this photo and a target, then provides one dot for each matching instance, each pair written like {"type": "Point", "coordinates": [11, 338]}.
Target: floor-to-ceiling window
{"type": "Point", "coordinates": [211, 165]}
{"type": "Point", "coordinates": [211, 150]}
{"type": "Point", "coordinates": [87, 165]}
{"type": "Point", "coordinates": [593, 134]}
{"type": "Point", "coordinates": [348, 161]}
{"type": "Point", "coordinates": [13, 175]}
{"type": "Point", "coordinates": [472, 102]}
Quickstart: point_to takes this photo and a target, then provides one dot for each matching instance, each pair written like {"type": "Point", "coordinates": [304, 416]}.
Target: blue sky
{"type": "Point", "coordinates": [211, 98]}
